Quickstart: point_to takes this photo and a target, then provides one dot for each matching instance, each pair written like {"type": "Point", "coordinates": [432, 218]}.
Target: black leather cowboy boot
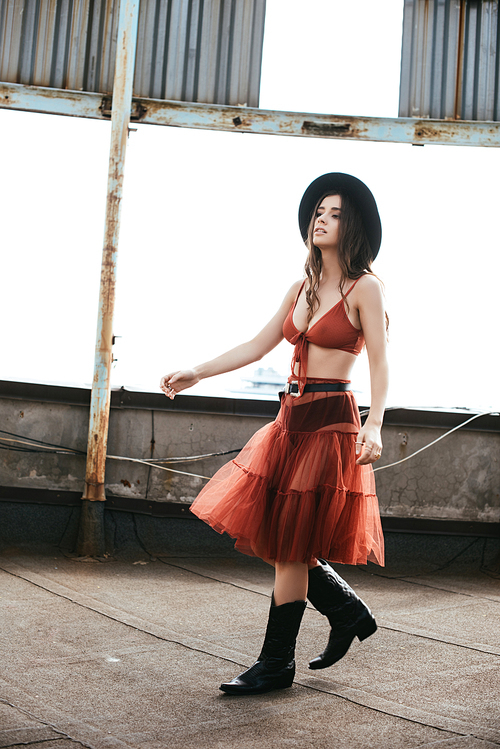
{"type": "Point", "coordinates": [275, 666]}
{"type": "Point", "coordinates": [348, 615]}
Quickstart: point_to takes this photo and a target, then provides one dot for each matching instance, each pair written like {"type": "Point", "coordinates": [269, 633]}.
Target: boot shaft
{"type": "Point", "coordinates": [282, 629]}
{"type": "Point", "coordinates": [335, 599]}
{"type": "Point", "coordinates": [327, 589]}
{"type": "Point", "coordinates": [275, 666]}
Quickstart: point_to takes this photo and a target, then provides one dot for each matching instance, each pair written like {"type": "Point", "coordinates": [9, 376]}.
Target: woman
{"type": "Point", "coordinates": [302, 489]}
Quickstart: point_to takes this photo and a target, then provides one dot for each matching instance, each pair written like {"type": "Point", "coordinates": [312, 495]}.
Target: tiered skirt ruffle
{"type": "Point", "coordinates": [295, 493]}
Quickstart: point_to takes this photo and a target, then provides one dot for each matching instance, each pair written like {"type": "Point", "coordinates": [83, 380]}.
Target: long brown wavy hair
{"type": "Point", "coordinates": [354, 252]}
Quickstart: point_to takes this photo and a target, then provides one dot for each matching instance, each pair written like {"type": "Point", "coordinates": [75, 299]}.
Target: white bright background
{"type": "Point", "coordinates": [209, 240]}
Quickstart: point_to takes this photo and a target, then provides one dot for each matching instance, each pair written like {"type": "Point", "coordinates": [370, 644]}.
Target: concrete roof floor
{"type": "Point", "coordinates": [130, 653]}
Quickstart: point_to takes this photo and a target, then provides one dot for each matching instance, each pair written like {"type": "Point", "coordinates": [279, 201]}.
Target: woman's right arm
{"type": "Point", "coordinates": [240, 356]}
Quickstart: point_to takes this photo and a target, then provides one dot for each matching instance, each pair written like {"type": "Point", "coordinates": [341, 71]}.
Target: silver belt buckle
{"type": "Point", "coordinates": [288, 389]}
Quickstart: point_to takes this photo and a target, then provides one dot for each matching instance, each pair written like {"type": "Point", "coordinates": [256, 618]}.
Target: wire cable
{"type": "Point", "coordinates": [193, 458]}
{"type": "Point", "coordinates": [40, 442]}
{"type": "Point", "coordinates": [155, 465]}
{"type": "Point", "coordinates": [426, 447]}
{"type": "Point", "coordinates": [71, 451]}
{"type": "Point", "coordinates": [58, 451]}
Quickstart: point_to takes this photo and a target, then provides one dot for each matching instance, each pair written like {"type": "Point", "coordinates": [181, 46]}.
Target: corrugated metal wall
{"type": "Point", "coordinates": [206, 51]}
{"type": "Point", "coordinates": [450, 67]}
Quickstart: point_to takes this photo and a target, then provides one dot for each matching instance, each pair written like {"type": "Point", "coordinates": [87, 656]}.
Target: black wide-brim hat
{"type": "Point", "coordinates": [356, 190]}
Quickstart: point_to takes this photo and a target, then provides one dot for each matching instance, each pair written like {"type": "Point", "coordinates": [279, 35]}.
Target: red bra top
{"type": "Point", "coordinates": [333, 330]}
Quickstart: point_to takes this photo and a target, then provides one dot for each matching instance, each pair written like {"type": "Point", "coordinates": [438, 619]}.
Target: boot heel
{"type": "Point", "coordinates": [286, 680]}
{"type": "Point", "coordinates": [367, 629]}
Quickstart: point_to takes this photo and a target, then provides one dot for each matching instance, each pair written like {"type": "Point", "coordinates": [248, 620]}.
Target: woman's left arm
{"type": "Point", "coordinates": [372, 317]}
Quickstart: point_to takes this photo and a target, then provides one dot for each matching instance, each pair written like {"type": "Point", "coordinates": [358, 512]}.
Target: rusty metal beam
{"type": "Point", "coordinates": [250, 120]}
{"type": "Point", "coordinates": [91, 532]}
{"type": "Point", "coordinates": [120, 118]}
{"type": "Point", "coordinates": [308, 125]}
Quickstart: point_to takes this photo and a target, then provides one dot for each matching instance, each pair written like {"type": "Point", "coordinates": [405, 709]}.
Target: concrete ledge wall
{"type": "Point", "coordinates": [457, 479]}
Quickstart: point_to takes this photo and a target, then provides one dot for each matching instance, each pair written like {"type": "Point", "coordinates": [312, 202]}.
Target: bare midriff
{"type": "Point", "coordinates": [330, 364]}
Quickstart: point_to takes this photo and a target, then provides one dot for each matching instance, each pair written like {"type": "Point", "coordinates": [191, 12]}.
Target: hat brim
{"type": "Point", "coordinates": [357, 190]}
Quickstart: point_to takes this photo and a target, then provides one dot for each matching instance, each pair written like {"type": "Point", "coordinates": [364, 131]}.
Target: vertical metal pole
{"type": "Point", "coordinates": [91, 531]}
{"type": "Point", "coordinates": [457, 114]}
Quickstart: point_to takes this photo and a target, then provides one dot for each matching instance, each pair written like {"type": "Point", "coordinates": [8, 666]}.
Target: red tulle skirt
{"type": "Point", "coordinates": [295, 493]}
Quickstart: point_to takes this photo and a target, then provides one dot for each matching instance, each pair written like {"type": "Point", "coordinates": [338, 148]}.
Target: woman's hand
{"type": "Point", "coordinates": [174, 382]}
{"type": "Point", "coordinates": [368, 445]}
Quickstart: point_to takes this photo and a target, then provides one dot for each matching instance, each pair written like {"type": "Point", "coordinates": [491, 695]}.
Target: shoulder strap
{"type": "Point", "coordinates": [300, 290]}
{"type": "Point", "coordinates": [292, 308]}
{"type": "Point", "coordinates": [353, 285]}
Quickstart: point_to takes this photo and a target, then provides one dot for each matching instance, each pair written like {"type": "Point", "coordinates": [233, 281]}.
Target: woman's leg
{"type": "Point", "coordinates": [290, 582]}
{"type": "Point", "coordinates": [310, 565]}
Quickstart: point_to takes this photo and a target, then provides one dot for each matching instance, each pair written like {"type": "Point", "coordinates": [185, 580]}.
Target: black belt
{"type": "Point", "coordinates": [317, 387]}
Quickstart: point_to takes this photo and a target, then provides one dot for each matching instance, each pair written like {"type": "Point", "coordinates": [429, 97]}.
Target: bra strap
{"type": "Point", "coordinates": [299, 293]}
{"type": "Point", "coordinates": [353, 285]}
